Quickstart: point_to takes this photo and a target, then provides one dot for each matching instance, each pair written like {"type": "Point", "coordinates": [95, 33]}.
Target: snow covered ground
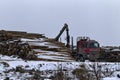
{"type": "Point", "coordinates": [25, 70]}
{"type": "Point", "coordinates": [9, 58]}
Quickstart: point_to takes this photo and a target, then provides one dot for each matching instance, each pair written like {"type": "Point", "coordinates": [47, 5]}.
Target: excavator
{"type": "Point", "coordinates": [85, 49]}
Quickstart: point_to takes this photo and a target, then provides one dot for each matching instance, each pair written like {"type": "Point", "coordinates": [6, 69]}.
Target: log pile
{"type": "Point", "coordinates": [32, 46]}
{"type": "Point", "coordinates": [110, 56]}
{"type": "Point", "coordinates": [10, 44]}
{"type": "Point", "coordinates": [19, 34]}
{"type": "Point", "coordinates": [17, 48]}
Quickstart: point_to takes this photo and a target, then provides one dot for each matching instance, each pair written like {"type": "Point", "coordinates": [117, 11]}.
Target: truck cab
{"type": "Point", "coordinates": [87, 49]}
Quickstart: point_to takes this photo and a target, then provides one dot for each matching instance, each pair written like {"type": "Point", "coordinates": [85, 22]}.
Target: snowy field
{"type": "Point", "coordinates": [18, 69]}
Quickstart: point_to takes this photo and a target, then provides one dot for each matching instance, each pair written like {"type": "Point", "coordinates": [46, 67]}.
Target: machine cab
{"type": "Point", "coordinates": [85, 45]}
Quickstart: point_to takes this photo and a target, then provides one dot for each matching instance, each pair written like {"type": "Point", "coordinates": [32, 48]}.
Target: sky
{"type": "Point", "coordinates": [97, 19]}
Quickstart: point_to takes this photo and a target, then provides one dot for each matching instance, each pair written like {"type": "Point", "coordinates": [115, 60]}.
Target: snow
{"type": "Point", "coordinates": [9, 58]}
{"type": "Point", "coordinates": [115, 50]}
{"type": "Point", "coordinates": [31, 40]}
{"type": "Point", "coordinates": [53, 55]}
{"type": "Point", "coordinates": [53, 66]}
{"type": "Point", "coordinates": [111, 78]}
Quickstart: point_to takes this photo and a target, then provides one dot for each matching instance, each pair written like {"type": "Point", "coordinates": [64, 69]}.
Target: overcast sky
{"type": "Point", "coordinates": [98, 19]}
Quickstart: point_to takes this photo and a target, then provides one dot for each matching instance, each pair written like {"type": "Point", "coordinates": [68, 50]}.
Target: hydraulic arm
{"type": "Point", "coordinates": [67, 34]}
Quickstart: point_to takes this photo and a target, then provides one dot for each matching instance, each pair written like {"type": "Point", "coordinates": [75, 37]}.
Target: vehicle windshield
{"type": "Point", "coordinates": [94, 45]}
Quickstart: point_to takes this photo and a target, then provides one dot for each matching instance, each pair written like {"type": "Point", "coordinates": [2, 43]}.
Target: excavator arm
{"type": "Point", "coordinates": [67, 34]}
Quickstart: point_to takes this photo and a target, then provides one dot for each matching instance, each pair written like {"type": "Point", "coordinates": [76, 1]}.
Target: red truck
{"type": "Point", "coordinates": [87, 49]}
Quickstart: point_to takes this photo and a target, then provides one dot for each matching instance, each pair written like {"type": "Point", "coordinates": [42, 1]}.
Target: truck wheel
{"type": "Point", "coordinates": [80, 58]}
